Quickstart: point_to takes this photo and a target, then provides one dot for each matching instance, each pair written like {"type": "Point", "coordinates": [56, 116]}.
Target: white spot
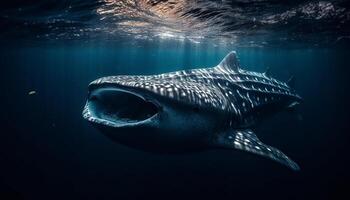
{"type": "Point", "coordinates": [237, 144]}
{"type": "Point", "coordinates": [171, 94]}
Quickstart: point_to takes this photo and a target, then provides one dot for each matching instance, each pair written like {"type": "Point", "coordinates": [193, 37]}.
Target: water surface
{"type": "Point", "coordinates": [51, 50]}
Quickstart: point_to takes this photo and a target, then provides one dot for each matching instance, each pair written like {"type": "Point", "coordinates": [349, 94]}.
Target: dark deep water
{"type": "Point", "coordinates": [47, 150]}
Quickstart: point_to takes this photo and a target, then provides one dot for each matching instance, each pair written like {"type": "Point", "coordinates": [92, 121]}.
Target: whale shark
{"type": "Point", "coordinates": [191, 110]}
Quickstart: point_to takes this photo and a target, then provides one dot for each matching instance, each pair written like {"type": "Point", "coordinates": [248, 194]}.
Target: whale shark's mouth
{"type": "Point", "coordinates": [118, 107]}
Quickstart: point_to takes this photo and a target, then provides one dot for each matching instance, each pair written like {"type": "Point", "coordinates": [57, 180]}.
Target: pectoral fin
{"type": "Point", "coordinates": [246, 140]}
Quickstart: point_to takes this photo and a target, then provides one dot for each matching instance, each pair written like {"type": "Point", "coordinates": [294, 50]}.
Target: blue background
{"type": "Point", "coordinates": [47, 150]}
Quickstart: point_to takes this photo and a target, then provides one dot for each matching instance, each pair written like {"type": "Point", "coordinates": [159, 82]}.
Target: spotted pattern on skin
{"type": "Point", "coordinates": [237, 92]}
{"type": "Point", "coordinates": [246, 140]}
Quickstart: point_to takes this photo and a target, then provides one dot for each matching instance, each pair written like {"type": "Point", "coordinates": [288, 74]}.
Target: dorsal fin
{"type": "Point", "coordinates": [230, 62]}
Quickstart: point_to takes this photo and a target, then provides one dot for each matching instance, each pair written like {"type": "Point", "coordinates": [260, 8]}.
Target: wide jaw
{"type": "Point", "coordinates": [120, 107]}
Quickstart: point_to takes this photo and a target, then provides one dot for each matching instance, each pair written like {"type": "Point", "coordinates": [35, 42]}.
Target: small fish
{"type": "Point", "coordinates": [33, 92]}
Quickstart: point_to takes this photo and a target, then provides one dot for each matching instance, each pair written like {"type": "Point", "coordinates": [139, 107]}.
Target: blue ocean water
{"type": "Point", "coordinates": [49, 151]}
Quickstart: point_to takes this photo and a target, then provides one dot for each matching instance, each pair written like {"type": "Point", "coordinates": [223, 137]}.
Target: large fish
{"type": "Point", "coordinates": [190, 110]}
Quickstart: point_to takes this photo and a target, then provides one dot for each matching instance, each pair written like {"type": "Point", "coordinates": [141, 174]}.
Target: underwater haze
{"type": "Point", "coordinates": [51, 50]}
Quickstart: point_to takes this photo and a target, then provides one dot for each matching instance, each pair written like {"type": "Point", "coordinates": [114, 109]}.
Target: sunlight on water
{"type": "Point", "coordinates": [51, 50]}
{"type": "Point", "coordinates": [245, 23]}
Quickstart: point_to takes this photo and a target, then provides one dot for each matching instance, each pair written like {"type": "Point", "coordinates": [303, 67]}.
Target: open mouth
{"type": "Point", "coordinates": [118, 107]}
